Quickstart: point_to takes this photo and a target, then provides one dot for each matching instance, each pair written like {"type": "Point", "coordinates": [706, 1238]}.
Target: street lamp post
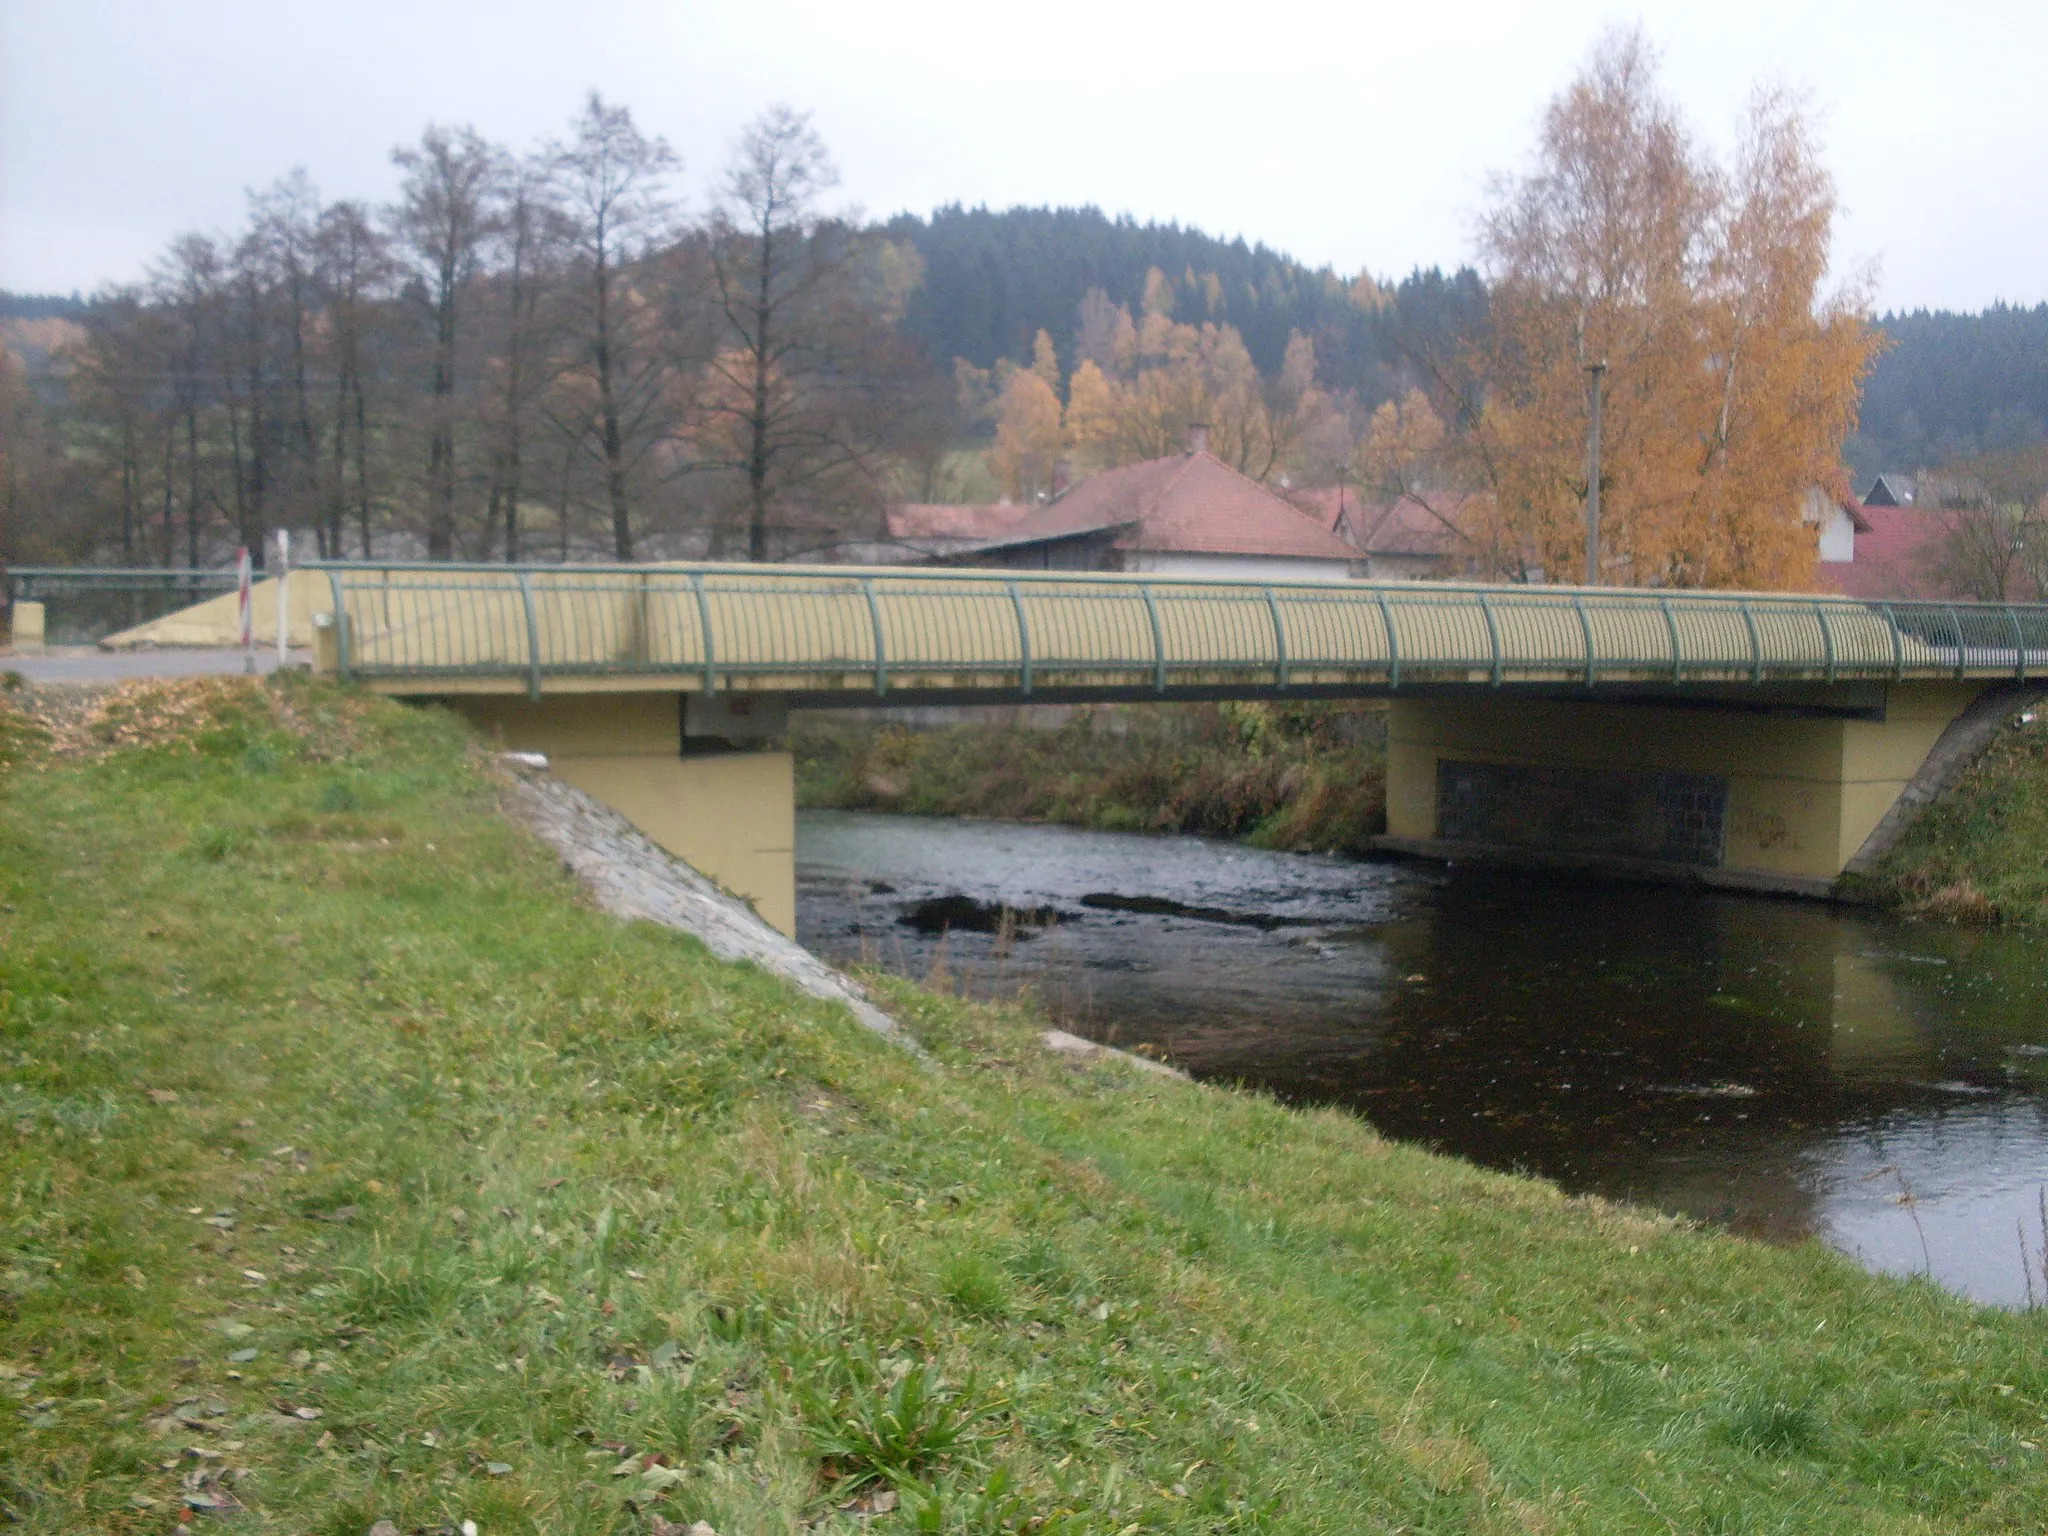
{"type": "Point", "coordinates": [1598, 374]}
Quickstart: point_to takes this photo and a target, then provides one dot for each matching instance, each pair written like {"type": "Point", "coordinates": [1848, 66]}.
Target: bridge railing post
{"type": "Point", "coordinates": [1827, 637]}
{"type": "Point", "coordinates": [1586, 634]}
{"type": "Point", "coordinates": [867, 585]}
{"type": "Point", "coordinates": [1756, 642]}
{"type": "Point", "coordinates": [1158, 640]}
{"type": "Point", "coordinates": [1279, 640]}
{"type": "Point", "coordinates": [532, 635]}
{"type": "Point", "coordinates": [1023, 639]}
{"type": "Point", "coordinates": [704, 628]}
{"type": "Point", "coordinates": [1492, 635]}
{"type": "Point", "coordinates": [342, 638]}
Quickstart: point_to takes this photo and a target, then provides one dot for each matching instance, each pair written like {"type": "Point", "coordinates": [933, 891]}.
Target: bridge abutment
{"type": "Point", "coordinates": [1714, 788]}
{"type": "Point", "coordinates": [726, 807]}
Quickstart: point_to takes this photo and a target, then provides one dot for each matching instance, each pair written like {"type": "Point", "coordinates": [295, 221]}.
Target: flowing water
{"type": "Point", "coordinates": [1782, 1068]}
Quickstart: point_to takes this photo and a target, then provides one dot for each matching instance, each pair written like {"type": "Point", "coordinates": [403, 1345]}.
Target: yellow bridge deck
{"type": "Point", "coordinates": [880, 632]}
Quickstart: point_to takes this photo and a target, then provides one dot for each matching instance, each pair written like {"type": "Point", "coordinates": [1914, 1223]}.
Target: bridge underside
{"type": "Point", "coordinates": [1764, 793]}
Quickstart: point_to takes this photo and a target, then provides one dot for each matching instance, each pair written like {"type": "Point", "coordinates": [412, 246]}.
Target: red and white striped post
{"type": "Point", "coordinates": [242, 577]}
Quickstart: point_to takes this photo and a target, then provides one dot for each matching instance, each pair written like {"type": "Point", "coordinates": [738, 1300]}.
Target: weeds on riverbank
{"type": "Point", "coordinates": [1980, 854]}
{"type": "Point", "coordinates": [355, 1169]}
{"type": "Point", "coordinates": [1300, 776]}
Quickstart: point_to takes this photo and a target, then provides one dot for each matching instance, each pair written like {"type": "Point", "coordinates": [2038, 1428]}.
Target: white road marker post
{"type": "Point", "coordinates": [284, 588]}
{"type": "Point", "coordinates": [242, 610]}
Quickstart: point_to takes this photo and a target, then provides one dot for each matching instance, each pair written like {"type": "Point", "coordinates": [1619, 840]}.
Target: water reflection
{"type": "Point", "coordinates": [1780, 1067]}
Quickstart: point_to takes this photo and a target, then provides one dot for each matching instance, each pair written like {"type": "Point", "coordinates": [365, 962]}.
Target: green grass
{"type": "Point", "coordinates": [355, 1169]}
{"type": "Point", "coordinates": [1981, 852]}
{"type": "Point", "coordinates": [1308, 776]}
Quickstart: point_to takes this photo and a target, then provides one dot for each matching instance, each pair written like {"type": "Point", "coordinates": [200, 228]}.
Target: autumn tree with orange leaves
{"type": "Point", "coordinates": [1139, 385]}
{"type": "Point", "coordinates": [1732, 378]}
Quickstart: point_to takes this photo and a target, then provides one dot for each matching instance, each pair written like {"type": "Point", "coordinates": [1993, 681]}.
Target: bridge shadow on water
{"type": "Point", "coordinates": [1779, 1067]}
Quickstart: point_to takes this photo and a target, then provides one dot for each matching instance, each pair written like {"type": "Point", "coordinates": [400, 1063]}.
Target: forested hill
{"type": "Point", "coordinates": [994, 280]}
{"type": "Point", "coordinates": [41, 306]}
{"type": "Point", "coordinates": [1952, 386]}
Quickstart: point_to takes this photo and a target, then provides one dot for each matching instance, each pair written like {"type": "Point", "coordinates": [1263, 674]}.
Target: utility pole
{"type": "Point", "coordinates": [1598, 373]}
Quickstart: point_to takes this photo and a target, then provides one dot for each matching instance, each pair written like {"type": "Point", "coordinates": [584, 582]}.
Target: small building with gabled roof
{"type": "Point", "coordinates": [1189, 514]}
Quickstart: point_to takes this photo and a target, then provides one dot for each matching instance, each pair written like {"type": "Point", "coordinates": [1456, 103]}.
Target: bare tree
{"type": "Point", "coordinates": [443, 218]}
{"type": "Point", "coordinates": [246, 373]}
{"type": "Point", "coordinates": [352, 264]}
{"type": "Point", "coordinates": [525, 234]}
{"type": "Point", "coordinates": [510, 359]}
{"type": "Point", "coordinates": [283, 231]}
{"type": "Point", "coordinates": [123, 373]}
{"type": "Point", "coordinates": [1993, 510]}
{"type": "Point", "coordinates": [793, 400]}
{"type": "Point", "coordinates": [610, 179]}
{"type": "Point", "coordinates": [193, 289]}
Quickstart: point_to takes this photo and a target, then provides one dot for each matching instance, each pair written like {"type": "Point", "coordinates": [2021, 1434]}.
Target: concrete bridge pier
{"type": "Point", "coordinates": [1714, 785]}
{"type": "Point", "coordinates": [706, 777]}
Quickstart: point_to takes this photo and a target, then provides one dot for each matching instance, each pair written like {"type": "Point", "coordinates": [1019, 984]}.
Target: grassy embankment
{"type": "Point", "coordinates": [355, 1169]}
{"type": "Point", "coordinates": [1981, 852]}
{"type": "Point", "coordinates": [1281, 776]}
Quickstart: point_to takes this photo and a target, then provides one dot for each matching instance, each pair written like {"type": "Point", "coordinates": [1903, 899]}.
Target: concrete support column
{"type": "Point", "coordinates": [1714, 787]}
{"type": "Point", "coordinates": [27, 628]}
{"type": "Point", "coordinates": [727, 809]}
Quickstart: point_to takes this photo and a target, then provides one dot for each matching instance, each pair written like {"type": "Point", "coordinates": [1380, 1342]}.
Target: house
{"type": "Point", "coordinates": [1837, 518]}
{"type": "Point", "coordinates": [1189, 514]}
{"type": "Point", "coordinates": [1890, 491]}
{"type": "Point", "coordinates": [1407, 538]}
{"type": "Point", "coordinates": [1874, 549]}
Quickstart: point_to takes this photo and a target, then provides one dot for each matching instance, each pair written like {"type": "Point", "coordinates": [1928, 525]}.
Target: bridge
{"type": "Point", "coordinates": [1751, 739]}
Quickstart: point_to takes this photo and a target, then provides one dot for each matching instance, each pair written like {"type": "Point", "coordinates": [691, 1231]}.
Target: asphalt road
{"type": "Point", "coordinates": [89, 664]}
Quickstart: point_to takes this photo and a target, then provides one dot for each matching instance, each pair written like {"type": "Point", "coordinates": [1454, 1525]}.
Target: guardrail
{"type": "Point", "coordinates": [30, 582]}
{"type": "Point", "coordinates": [87, 602]}
{"type": "Point", "coordinates": [883, 631]}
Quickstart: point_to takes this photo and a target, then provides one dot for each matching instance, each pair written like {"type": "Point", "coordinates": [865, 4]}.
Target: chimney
{"type": "Point", "coordinates": [1198, 437]}
{"type": "Point", "coordinates": [1062, 477]}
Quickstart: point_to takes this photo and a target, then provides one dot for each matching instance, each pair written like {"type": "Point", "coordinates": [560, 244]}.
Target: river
{"type": "Point", "coordinates": [1781, 1068]}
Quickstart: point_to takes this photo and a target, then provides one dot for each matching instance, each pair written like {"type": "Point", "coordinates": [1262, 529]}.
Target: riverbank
{"type": "Point", "coordinates": [1980, 853]}
{"type": "Point", "coordinates": [361, 1170]}
{"type": "Point", "coordinates": [1310, 777]}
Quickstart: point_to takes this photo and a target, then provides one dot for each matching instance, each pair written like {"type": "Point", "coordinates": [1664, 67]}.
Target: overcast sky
{"type": "Point", "coordinates": [1357, 133]}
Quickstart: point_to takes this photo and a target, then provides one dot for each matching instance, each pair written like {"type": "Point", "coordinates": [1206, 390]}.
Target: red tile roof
{"type": "Point", "coordinates": [1326, 503]}
{"type": "Point", "coordinates": [1403, 526]}
{"type": "Point", "coordinates": [1895, 552]}
{"type": "Point", "coordinates": [1190, 503]}
{"type": "Point", "coordinates": [1410, 527]}
{"type": "Point", "coordinates": [952, 520]}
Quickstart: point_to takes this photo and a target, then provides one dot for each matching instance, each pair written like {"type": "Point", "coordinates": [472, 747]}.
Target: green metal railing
{"type": "Point", "coordinates": [895, 631]}
{"type": "Point", "coordinates": [28, 582]}
{"type": "Point", "coordinates": [87, 602]}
